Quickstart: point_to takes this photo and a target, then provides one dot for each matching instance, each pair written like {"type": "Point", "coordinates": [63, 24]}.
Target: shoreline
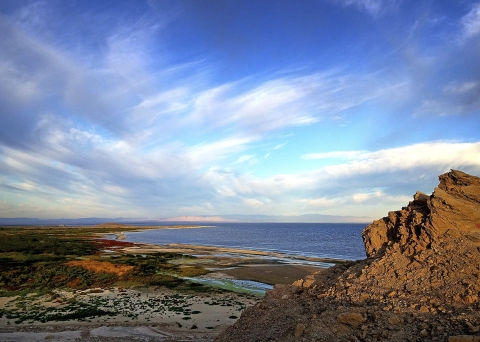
{"type": "Point", "coordinates": [227, 253]}
{"type": "Point", "coordinates": [153, 313]}
{"type": "Point", "coordinates": [228, 267]}
{"type": "Point", "coordinates": [323, 262]}
{"type": "Point", "coordinates": [236, 263]}
{"type": "Point", "coordinates": [128, 228]}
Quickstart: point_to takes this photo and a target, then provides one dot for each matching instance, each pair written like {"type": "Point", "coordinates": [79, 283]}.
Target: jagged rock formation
{"type": "Point", "coordinates": [420, 281]}
{"type": "Point", "coordinates": [451, 211]}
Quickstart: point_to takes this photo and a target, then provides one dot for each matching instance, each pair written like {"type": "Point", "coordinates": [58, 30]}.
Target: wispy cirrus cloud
{"type": "Point", "coordinates": [287, 101]}
{"type": "Point", "coordinates": [111, 114]}
{"type": "Point", "coordinates": [373, 7]}
{"type": "Point", "coordinates": [279, 146]}
{"type": "Point", "coordinates": [449, 77]}
{"type": "Point", "coordinates": [264, 108]}
{"type": "Point", "coordinates": [471, 22]}
{"type": "Point", "coordinates": [120, 96]}
{"type": "Point", "coordinates": [335, 155]}
{"type": "Point", "coordinates": [245, 158]}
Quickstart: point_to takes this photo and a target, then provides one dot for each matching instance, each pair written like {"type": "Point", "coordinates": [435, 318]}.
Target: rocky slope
{"type": "Point", "coordinates": [420, 281]}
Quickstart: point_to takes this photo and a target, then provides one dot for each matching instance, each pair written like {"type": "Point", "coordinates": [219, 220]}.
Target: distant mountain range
{"type": "Point", "coordinates": [308, 218]}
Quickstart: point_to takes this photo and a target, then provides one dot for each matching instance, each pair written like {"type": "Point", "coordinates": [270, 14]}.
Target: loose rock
{"type": "Point", "coordinates": [299, 329]}
{"type": "Point", "coordinates": [353, 319]}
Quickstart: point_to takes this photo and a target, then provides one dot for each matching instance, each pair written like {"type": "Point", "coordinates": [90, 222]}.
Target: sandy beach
{"type": "Point", "coordinates": [237, 263]}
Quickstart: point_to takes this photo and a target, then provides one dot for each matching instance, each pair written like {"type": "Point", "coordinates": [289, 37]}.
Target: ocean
{"type": "Point", "coordinates": [316, 240]}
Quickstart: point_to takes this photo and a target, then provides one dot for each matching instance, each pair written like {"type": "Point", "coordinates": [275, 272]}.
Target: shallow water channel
{"type": "Point", "coordinates": [237, 285]}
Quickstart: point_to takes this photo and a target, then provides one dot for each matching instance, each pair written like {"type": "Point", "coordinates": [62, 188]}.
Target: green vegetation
{"type": "Point", "coordinates": [76, 310]}
{"type": "Point", "coordinates": [156, 264]}
{"type": "Point", "coordinates": [55, 274]}
{"type": "Point", "coordinates": [43, 259]}
{"type": "Point", "coordinates": [83, 306]}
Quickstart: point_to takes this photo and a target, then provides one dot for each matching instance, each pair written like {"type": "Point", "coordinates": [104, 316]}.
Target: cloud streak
{"type": "Point", "coordinates": [130, 115]}
{"type": "Point", "coordinates": [286, 101]}
{"type": "Point", "coordinates": [363, 177]}
{"type": "Point", "coordinates": [471, 22]}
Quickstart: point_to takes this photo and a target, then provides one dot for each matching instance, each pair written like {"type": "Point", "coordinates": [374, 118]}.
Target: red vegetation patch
{"type": "Point", "coordinates": [105, 243]}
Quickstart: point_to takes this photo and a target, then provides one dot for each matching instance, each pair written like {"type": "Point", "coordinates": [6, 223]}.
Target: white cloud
{"type": "Point", "coordinates": [41, 73]}
{"type": "Point", "coordinates": [406, 167]}
{"type": "Point", "coordinates": [17, 84]}
{"type": "Point", "coordinates": [335, 155]}
{"type": "Point", "coordinates": [264, 108]}
{"type": "Point", "coordinates": [373, 7]}
{"type": "Point", "coordinates": [461, 88]}
{"type": "Point", "coordinates": [471, 22]}
{"type": "Point", "coordinates": [288, 101]}
{"type": "Point", "coordinates": [318, 203]}
{"type": "Point", "coordinates": [373, 197]}
{"type": "Point", "coordinates": [244, 158]}
{"type": "Point", "coordinates": [208, 152]}
{"type": "Point", "coordinates": [457, 98]}
{"type": "Point", "coordinates": [168, 102]}
{"type": "Point", "coordinates": [105, 127]}
{"type": "Point", "coordinates": [279, 146]}
{"type": "Point", "coordinates": [254, 203]}
{"type": "Point", "coordinates": [441, 155]}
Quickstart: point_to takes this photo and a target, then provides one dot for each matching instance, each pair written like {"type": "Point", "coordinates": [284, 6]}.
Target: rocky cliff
{"type": "Point", "coordinates": [420, 281]}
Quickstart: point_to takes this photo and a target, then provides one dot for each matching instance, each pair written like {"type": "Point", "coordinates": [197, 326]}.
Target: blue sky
{"type": "Point", "coordinates": [153, 109]}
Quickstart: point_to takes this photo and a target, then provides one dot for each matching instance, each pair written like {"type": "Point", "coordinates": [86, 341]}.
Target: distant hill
{"type": "Point", "coordinates": [309, 218]}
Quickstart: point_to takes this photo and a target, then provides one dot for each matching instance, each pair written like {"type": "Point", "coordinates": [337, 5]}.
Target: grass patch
{"type": "Point", "coordinates": [72, 311]}
{"type": "Point", "coordinates": [42, 259]}
{"type": "Point", "coordinates": [35, 262]}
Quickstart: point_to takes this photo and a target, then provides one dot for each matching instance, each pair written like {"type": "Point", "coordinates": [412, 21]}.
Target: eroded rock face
{"type": "Point", "coordinates": [451, 211]}
{"type": "Point", "coordinates": [420, 282]}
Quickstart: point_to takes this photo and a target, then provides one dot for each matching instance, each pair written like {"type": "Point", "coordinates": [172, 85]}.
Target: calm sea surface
{"type": "Point", "coordinates": [321, 240]}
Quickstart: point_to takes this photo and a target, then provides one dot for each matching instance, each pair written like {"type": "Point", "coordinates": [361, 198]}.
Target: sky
{"type": "Point", "coordinates": [154, 109]}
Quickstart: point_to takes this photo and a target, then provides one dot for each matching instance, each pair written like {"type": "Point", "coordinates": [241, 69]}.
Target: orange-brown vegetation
{"type": "Point", "coordinates": [102, 266]}
{"type": "Point", "coordinates": [75, 283]}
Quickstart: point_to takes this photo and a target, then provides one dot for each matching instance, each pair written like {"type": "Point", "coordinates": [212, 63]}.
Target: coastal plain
{"type": "Point", "coordinates": [88, 284]}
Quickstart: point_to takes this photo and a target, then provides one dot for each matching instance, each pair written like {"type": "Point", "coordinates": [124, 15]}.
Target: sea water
{"type": "Point", "coordinates": [315, 240]}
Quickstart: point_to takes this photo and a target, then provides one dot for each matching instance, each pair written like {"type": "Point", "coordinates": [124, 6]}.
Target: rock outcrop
{"type": "Point", "coordinates": [420, 281]}
{"type": "Point", "coordinates": [451, 211]}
